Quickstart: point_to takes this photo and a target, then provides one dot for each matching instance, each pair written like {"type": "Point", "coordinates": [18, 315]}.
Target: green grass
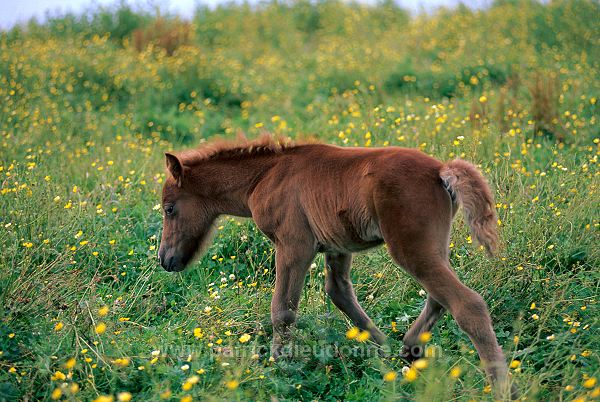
{"type": "Point", "coordinates": [85, 119]}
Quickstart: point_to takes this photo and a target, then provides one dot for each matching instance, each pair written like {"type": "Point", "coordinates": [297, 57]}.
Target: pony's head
{"type": "Point", "coordinates": [187, 218]}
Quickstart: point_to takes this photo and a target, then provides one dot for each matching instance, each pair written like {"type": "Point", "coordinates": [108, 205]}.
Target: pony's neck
{"type": "Point", "coordinates": [229, 183]}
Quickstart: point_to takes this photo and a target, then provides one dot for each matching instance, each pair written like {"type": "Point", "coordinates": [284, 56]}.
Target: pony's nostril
{"type": "Point", "coordinates": [171, 262]}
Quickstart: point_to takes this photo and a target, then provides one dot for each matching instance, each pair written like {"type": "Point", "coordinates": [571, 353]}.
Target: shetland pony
{"type": "Point", "coordinates": [312, 197]}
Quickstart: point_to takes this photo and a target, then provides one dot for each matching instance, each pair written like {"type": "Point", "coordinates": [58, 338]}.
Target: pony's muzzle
{"type": "Point", "coordinates": [171, 263]}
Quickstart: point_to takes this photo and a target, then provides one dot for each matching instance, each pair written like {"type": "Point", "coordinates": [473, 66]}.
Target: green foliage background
{"type": "Point", "coordinates": [90, 103]}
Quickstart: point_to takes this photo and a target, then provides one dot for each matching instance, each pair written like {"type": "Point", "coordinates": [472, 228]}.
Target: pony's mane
{"type": "Point", "coordinates": [242, 146]}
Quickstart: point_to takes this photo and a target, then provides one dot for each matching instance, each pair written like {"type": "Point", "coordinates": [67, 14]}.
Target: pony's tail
{"type": "Point", "coordinates": [468, 187]}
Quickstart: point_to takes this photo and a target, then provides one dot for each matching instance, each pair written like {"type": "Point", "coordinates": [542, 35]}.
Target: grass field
{"type": "Point", "coordinates": [88, 106]}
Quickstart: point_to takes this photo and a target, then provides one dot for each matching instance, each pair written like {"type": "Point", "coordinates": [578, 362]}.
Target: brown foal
{"type": "Point", "coordinates": [310, 198]}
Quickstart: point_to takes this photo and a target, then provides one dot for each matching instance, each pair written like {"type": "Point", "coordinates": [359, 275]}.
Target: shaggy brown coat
{"type": "Point", "coordinates": [310, 198]}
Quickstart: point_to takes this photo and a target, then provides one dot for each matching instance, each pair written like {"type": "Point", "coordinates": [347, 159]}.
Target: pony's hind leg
{"type": "Point", "coordinates": [338, 286]}
{"type": "Point", "coordinates": [431, 313]}
{"type": "Point", "coordinates": [466, 306]}
{"type": "Point", "coordinates": [420, 245]}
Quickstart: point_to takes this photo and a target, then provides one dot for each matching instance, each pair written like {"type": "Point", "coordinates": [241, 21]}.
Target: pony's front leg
{"type": "Point", "coordinates": [291, 265]}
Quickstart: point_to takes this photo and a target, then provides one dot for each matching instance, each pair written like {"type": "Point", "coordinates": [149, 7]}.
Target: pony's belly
{"type": "Point", "coordinates": [351, 238]}
{"type": "Point", "coordinates": [348, 247]}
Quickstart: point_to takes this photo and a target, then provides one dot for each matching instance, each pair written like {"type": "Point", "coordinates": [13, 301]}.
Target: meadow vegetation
{"type": "Point", "coordinates": [89, 104]}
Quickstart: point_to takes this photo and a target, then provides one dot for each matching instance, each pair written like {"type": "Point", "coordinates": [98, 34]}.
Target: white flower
{"type": "Point", "coordinates": [404, 318]}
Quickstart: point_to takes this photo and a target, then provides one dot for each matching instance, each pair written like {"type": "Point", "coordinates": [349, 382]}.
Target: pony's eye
{"type": "Point", "coordinates": [169, 210]}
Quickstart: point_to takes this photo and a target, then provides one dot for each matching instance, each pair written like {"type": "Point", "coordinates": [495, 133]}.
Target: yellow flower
{"type": "Point", "coordinates": [411, 374]}
{"type": "Point", "coordinates": [425, 337]}
{"type": "Point", "coordinates": [58, 376]}
{"type": "Point", "coordinates": [483, 99]}
{"type": "Point", "coordinates": [165, 394]}
{"type": "Point", "coordinates": [245, 338]}
{"type": "Point", "coordinates": [56, 394]}
{"type": "Point", "coordinates": [69, 364]}
{"type": "Point", "coordinates": [186, 398]}
{"type": "Point", "coordinates": [124, 396]}
{"type": "Point", "coordinates": [59, 326]}
{"type": "Point", "coordinates": [103, 311]}
{"type": "Point", "coordinates": [455, 372]}
{"type": "Point", "coordinates": [535, 317]}
{"type": "Point", "coordinates": [390, 376]}
{"type": "Point", "coordinates": [232, 384]}
{"type": "Point", "coordinates": [363, 336]}
{"type": "Point", "coordinates": [104, 398]}
{"type": "Point", "coordinates": [352, 333]}
{"type": "Point", "coordinates": [123, 362]}
{"type": "Point", "coordinates": [198, 333]}
{"type": "Point", "coordinates": [514, 364]}
{"type": "Point", "coordinates": [590, 382]}
{"type": "Point", "coordinates": [100, 328]}
{"type": "Point", "coordinates": [420, 364]}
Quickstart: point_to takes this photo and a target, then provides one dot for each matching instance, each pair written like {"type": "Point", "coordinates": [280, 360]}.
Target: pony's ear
{"type": "Point", "coordinates": [175, 168]}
